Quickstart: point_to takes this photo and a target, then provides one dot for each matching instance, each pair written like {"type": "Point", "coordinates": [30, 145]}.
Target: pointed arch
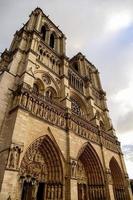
{"type": "Point", "coordinates": [78, 105]}
{"type": "Point", "coordinates": [50, 94]}
{"type": "Point", "coordinates": [117, 179]}
{"type": "Point", "coordinates": [47, 74]}
{"type": "Point", "coordinates": [44, 30]}
{"type": "Point", "coordinates": [52, 40]}
{"type": "Point", "coordinates": [94, 186]}
{"type": "Point", "coordinates": [38, 87]}
{"type": "Point", "coordinates": [42, 164]}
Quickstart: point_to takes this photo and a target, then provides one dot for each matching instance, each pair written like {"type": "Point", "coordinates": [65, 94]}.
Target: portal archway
{"type": "Point", "coordinates": [41, 171]}
{"type": "Point", "coordinates": [90, 175]}
{"type": "Point", "coordinates": [118, 180]}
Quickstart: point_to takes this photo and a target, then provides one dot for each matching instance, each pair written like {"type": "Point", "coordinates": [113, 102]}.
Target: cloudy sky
{"type": "Point", "coordinates": [103, 31]}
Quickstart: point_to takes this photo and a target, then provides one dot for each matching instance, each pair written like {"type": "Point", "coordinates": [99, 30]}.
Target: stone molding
{"type": "Point", "coordinates": [57, 115]}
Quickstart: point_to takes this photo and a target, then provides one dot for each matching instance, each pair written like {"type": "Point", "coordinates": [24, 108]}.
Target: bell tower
{"type": "Point", "coordinates": [57, 140]}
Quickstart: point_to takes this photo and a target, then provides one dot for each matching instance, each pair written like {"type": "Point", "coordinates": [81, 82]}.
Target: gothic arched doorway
{"type": "Point", "coordinates": [90, 176]}
{"type": "Point", "coordinates": [41, 171]}
{"type": "Point", "coordinates": [118, 180]}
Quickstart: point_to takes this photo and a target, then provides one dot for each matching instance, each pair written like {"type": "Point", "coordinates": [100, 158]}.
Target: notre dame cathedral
{"type": "Point", "coordinates": [57, 141]}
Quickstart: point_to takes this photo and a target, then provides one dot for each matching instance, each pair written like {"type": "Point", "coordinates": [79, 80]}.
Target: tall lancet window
{"type": "Point", "coordinates": [43, 32]}
{"type": "Point", "coordinates": [35, 89]}
{"type": "Point", "coordinates": [52, 41]}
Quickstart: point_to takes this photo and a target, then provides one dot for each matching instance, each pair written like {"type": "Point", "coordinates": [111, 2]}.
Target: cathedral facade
{"type": "Point", "coordinates": [57, 140]}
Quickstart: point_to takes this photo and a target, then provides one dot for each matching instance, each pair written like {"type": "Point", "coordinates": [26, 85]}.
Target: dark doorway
{"type": "Point", "coordinates": [40, 192]}
{"type": "Point", "coordinates": [27, 191]}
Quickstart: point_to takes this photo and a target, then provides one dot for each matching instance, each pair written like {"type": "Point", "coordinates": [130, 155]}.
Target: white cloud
{"type": "Point", "coordinates": [124, 98]}
{"type": "Point", "coordinates": [126, 138]}
{"type": "Point", "coordinates": [118, 21]}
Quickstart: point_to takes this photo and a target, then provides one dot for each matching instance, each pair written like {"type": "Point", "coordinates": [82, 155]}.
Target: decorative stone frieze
{"type": "Point", "coordinates": [56, 114]}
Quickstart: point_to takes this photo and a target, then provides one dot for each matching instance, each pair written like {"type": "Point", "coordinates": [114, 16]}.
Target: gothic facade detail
{"type": "Point", "coordinates": [57, 141]}
{"type": "Point", "coordinates": [14, 156]}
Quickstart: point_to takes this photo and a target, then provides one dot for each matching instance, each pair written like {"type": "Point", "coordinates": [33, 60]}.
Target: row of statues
{"type": "Point", "coordinates": [43, 110]}
{"type": "Point", "coordinates": [50, 191]}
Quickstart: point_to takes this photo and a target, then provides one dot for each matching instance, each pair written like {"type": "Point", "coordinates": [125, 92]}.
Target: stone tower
{"type": "Point", "coordinates": [57, 141]}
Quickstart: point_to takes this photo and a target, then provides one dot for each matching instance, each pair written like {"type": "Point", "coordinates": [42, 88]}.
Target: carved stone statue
{"type": "Point", "coordinates": [11, 162]}
{"type": "Point", "coordinates": [60, 192]}
{"type": "Point", "coordinates": [73, 168]}
{"type": "Point", "coordinates": [14, 156]}
{"type": "Point", "coordinates": [109, 177]}
{"type": "Point", "coordinates": [24, 99]}
{"type": "Point", "coordinates": [82, 192]}
{"type": "Point", "coordinates": [52, 192]}
{"type": "Point", "coordinates": [9, 198]}
{"type": "Point", "coordinates": [17, 156]}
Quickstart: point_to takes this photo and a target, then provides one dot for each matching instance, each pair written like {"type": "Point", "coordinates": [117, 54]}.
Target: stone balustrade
{"type": "Point", "coordinates": [57, 115]}
{"type": "Point", "coordinates": [75, 80]}
{"type": "Point", "coordinates": [41, 108]}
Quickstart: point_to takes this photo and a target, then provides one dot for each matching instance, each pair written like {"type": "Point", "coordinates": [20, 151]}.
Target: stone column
{"type": "Point", "coordinates": [63, 45]}
{"type": "Point", "coordinates": [110, 184]}
{"type": "Point", "coordinates": [73, 181]}
{"type": "Point", "coordinates": [31, 21]}
{"type": "Point", "coordinates": [73, 189]}
{"type": "Point", "coordinates": [38, 21]}
{"type": "Point", "coordinates": [128, 191]}
{"type": "Point", "coordinates": [108, 177]}
{"type": "Point", "coordinates": [57, 46]}
{"type": "Point", "coordinates": [65, 86]}
{"type": "Point", "coordinates": [90, 101]}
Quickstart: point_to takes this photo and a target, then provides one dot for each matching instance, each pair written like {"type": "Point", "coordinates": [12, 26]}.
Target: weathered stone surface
{"type": "Point", "coordinates": [57, 141]}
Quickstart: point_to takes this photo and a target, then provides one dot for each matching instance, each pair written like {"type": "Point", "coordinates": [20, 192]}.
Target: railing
{"type": "Point", "coordinates": [83, 128]}
{"type": "Point", "coordinates": [57, 115]}
{"type": "Point", "coordinates": [75, 80]}
{"type": "Point", "coordinates": [41, 108]}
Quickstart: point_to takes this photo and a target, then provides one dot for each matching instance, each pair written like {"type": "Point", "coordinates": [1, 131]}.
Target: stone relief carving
{"type": "Point", "coordinates": [58, 81]}
{"type": "Point", "coordinates": [14, 156]}
{"type": "Point", "coordinates": [73, 168]}
{"type": "Point", "coordinates": [46, 78]}
{"type": "Point", "coordinates": [57, 116]}
{"type": "Point", "coordinates": [35, 166]}
{"type": "Point", "coordinates": [81, 174]}
{"type": "Point", "coordinates": [109, 177]}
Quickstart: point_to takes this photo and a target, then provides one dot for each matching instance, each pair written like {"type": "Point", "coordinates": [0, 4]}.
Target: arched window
{"type": "Point", "coordinates": [75, 107]}
{"type": "Point", "coordinates": [38, 87]}
{"type": "Point", "coordinates": [90, 175]}
{"type": "Point", "coordinates": [43, 32]}
{"type": "Point", "coordinates": [117, 180]}
{"type": "Point", "coordinates": [41, 166]}
{"type": "Point", "coordinates": [52, 41]}
{"type": "Point", "coordinates": [35, 89]}
{"type": "Point", "coordinates": [75, 66]}
{"type": "Point", "coordinates": [50, 94]}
